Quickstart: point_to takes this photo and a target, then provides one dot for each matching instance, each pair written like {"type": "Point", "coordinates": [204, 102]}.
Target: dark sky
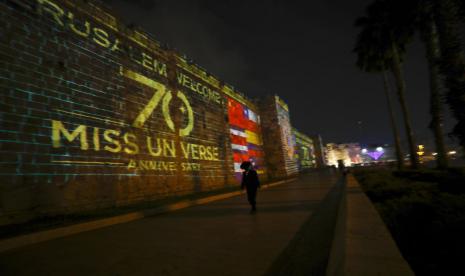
{"type": "Point", "coordinates": [300, 51]}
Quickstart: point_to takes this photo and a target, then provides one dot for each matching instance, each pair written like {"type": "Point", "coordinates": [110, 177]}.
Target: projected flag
{"type": "Point", "coordinates": [246, 141]}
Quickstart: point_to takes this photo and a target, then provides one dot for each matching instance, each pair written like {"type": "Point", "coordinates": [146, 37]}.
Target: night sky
{"type": "Point", "coordinates": [299, 51]}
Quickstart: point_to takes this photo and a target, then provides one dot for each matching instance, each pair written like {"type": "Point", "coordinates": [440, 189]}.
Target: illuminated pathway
{"type": "Point", "coordinates": [290, 233]}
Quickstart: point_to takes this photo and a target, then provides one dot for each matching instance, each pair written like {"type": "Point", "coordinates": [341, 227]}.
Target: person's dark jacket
{"type": "Point", "coordinates": [250, 180]}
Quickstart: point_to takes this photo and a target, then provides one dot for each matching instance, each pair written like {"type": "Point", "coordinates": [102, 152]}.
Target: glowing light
{"type": "Point", "coordinates": [435, 153]}
{"type": "Point", "coordinates": [364, 150]}
{"type": "Point", "coordinates": [379, 149]}
{"type": "Point", "coordinates": [375, 154]}
{"type": "Point", "coordinates": [452, 152]}
{"type": "Point", "coordinates": [421, 151]}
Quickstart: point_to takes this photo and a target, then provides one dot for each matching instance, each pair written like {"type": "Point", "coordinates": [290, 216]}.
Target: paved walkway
{"type": "Point", "coordinates": [290, 234]}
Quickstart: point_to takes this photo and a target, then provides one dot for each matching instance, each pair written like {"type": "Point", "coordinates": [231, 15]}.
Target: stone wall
{"type": "Point", "coordinates": [278, 141]}
{"type": "Point", "coordinates": [95, 114]}
{"type": "Point", "coordinates": [304, 151]}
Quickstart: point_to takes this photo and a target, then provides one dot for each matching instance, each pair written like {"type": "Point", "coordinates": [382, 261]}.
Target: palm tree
{"type": "Point", "coordinates": [452, 62]}
{"type": "Point", "coordinates": [428, 33]}
{"type": "Point", "coordinates": [370, 59]}
{"type": "Point", "coordinates": [389, 29]}
{"type": "Point", "coordinates": [395, 132]}
{"type": "Point", "coordinates": [397, 70]}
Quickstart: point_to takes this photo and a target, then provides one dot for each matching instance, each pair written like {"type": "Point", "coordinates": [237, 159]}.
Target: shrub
{"type": "Point", "coordinates": [426, 218]}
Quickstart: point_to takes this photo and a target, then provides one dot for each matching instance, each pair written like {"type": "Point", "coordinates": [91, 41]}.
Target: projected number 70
{"type": "Point", "coordinates": [164, 95]}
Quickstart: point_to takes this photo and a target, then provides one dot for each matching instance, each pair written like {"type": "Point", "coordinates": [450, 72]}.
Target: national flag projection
{"type": "Point", "coordinates": [246, 141]}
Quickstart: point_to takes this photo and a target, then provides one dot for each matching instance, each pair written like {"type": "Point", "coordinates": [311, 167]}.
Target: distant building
{"type": "Point", "coordinates": [349, 153]}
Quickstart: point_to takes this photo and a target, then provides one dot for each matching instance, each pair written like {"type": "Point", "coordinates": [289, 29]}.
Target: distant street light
{"type": "Point", "coordinates": [421, 151]}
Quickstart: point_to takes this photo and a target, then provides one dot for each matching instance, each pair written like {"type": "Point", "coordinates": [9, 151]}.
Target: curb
{"type": "Point", "coordinates": [362, 244]}
{"type": "Point", "coordinates": [46, 235]}
{"type": "Point", "coordinates": [337, 258]}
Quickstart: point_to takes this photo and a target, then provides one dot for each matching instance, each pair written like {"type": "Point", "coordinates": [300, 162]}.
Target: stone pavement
{"type": "Point", "coordinates": [290, 234]}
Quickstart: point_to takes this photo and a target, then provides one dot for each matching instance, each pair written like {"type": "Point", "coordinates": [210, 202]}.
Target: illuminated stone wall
{"type": "Point", "coordinates": [350, 153]}
{"type": "Point", "coordinates": [335, 152]}
{"type": "Point", "coordinates": [319, 151]}
{"type": "Point", "coordinates": [304, 151]}
{"type": "Point", "coordinates": [279, 144]}
{"type": "Point", "coordinates": [245, 134]}
{"type": "Point", "coordinates": [95, 115]}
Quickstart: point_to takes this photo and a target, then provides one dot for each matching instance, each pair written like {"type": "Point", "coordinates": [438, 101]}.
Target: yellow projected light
{"type": "Point", "coordinates": [253, 138]}
{"type": "Point", "coordinates": [190, 114]}
{"type": "Point", "coordinates": [159, 94]}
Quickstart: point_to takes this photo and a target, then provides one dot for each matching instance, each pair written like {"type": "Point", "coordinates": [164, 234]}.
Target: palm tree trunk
{"type": "Point", "coordinates": [452, 63]}
{"type": "Point", "coordinates": [400, 83]}
{"type": "Point", "coordinates": [395, 132]}
{"type": "Point", "coordinates": [430, 38]}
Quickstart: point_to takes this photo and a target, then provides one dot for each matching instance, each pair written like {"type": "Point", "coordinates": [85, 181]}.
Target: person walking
{"type": "Point", "coordinates": [251, 183]}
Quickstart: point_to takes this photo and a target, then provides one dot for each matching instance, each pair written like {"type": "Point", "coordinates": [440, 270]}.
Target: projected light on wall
{"type": "Point", "coordinates": [246, 141]}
